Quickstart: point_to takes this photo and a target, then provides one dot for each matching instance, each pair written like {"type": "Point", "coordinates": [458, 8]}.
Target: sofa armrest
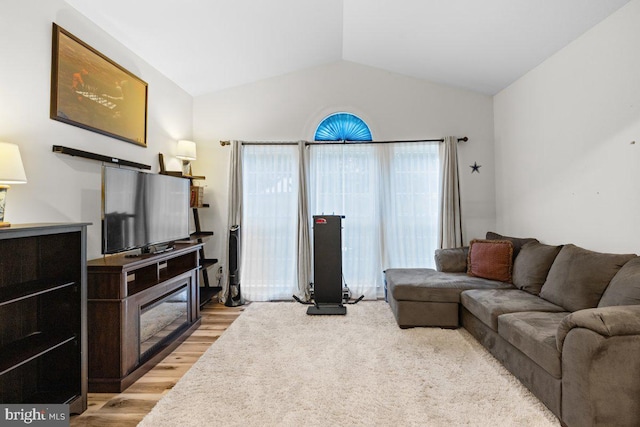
{"type": "Point", "coordinates": [606, 321]}
{"type": "Point", "coordinates": [601, 367]}
{"type": "Point", "coordinates": [453, 260]}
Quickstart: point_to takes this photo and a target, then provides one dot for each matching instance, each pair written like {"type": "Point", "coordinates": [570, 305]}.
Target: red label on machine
{"type": "Point", "coordinates": [321, 221]}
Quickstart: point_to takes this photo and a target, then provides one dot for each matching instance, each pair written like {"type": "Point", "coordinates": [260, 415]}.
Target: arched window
{"type": "Point", "coordinates": [343, 127]}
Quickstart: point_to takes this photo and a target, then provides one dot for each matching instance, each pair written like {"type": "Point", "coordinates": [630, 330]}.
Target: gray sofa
{"type": "Point", "coordinates": [567, 324]}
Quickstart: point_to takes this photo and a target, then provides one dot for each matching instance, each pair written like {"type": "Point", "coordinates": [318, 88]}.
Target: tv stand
{"type": "Point", "coordinates": [127, 299]}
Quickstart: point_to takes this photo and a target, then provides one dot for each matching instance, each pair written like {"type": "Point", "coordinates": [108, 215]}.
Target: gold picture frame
{"type": "Point", "coordinates": [92, 92]}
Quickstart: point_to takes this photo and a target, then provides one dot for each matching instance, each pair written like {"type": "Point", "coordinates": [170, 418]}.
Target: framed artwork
{"type": "Point", "coordinates": [91, 91]}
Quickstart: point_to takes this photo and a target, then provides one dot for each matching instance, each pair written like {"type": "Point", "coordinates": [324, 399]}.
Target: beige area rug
{"type": "Point", "coordinates": [276, 366]}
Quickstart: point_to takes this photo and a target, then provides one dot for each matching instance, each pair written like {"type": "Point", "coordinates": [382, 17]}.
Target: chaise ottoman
{"type": "Point", "coordinates": [426, 297]}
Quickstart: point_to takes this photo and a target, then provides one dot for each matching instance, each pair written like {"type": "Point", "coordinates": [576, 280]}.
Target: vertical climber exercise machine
{"type": "Point", "coordinates": [329, 293]}
{"type": "Point", "coordinates": [327, 265]}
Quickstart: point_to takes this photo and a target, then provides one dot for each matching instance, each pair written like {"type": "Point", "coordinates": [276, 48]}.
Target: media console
{"type": "Point", "coordinates": [139, 310]}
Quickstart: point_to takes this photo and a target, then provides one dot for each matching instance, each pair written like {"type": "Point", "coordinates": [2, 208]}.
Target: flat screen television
{"type": "Point", "coordinates": [142, 210]}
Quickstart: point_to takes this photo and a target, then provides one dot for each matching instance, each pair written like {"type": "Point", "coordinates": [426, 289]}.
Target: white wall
{"type": "Point", "coordinates": [61, 188]}
{"type": "Point", "coordinates": [566, 167]}
{"type": "Point", "coordinates": [289, 108]}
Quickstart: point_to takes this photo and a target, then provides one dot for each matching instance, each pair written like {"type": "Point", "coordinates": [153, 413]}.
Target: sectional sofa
{"type": "Point", "coordinates": [563, 319]}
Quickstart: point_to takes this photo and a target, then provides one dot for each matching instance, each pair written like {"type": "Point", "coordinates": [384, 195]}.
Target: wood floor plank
{"type": "Point", "coordinates": [129, 408]}
{"type": "Point", "coordinates": [182, 357]}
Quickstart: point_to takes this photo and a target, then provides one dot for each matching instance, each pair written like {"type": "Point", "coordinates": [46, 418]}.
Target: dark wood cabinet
{"type": "Point", "coordinates": [139, 310]}
{"type": "Point", "coordinates": [43, 345]}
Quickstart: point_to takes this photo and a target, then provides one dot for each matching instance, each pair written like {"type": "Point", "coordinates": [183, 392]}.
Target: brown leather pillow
{"type": "Point", "coordinates": [490, 259]}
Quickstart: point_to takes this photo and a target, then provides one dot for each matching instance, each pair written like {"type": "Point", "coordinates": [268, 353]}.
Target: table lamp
{"type": "Point", "coordinates": [11, 172]}
{"type": "Point", "coordinates": [186, 152]}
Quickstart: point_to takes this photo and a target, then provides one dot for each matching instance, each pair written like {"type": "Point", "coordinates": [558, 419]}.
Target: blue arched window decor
{"type": "Point", "coordinates": [343, 127]}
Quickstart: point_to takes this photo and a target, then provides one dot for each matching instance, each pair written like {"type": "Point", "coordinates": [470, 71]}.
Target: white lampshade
{"type": "Point", "coordinates": [186, 150]}
{"type": "Point", "coordinates": [11, 169]}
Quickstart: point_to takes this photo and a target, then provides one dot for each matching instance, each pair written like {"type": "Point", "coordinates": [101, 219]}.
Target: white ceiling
{"type": "Point", "coordinates": [210, 45]}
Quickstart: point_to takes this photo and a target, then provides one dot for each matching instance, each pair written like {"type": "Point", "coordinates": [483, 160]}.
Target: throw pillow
{"type": "Point", "coordinates": [624, 288]}
{"type": "Point", "coordinates": [518, 242]}
{"type": "Point", "coordinates": [532, 265]}
{"type": "Point", "coordinates": [490, 259]}
{"type": "Point", "coordinates": [578, 277]}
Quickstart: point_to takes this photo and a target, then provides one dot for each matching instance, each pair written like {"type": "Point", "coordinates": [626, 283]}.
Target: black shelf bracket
{"type": "Point", "coordinates": [93, 156]}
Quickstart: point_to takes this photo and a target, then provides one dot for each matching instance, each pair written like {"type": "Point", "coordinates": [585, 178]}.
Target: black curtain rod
{"type": "Point", "coordinates": [223, 143]}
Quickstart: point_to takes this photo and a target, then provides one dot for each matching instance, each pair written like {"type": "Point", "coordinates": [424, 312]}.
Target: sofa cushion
{"type": "Point", "coordinates": [518, 242]}
{"type": "Point", "coordinates": [532, 265]}
{"type": "Point", "coordinates": [452, 260]}
{"type": "Point", "coordinates": [488, 304]}
{"type": "Point", "coordinates": [490, 259]}
{"type": "Point", "coordinates": [426, 284]}
{"type": "Point", "coordinates": [534, 334]}
{"type": "Point", "coordinates": [578, 277]}
{"type": "Point", "coordinates": [624, 288]}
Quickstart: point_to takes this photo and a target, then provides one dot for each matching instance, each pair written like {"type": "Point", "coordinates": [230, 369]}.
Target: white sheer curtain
{"type": "Point", "coordinates": [388, 193]}
{"type": "Point", "coordinates": [344, 180]}
{"type": "Point", "coordinates": [410, 204]}
{"type": "Point", "coordinates": [270, 220]}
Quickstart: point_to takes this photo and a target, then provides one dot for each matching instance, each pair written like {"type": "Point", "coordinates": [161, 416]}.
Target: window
{"type": "Point", "coordinates": [344, 180]}
{"type": "Point", "coordinates": [270, 214]}
{"type": "Point", "coordinates": [388, 194]}
{"type": "Point", "coordinates": [411, 194]}
{"type": "Point", "coordinates": [343, 127]}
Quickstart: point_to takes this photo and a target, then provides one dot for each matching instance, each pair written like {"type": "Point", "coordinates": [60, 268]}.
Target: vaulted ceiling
{"type": "Point", "coordinates": [210, 45]}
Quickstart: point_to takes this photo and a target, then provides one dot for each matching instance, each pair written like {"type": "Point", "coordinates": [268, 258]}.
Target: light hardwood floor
{"type": "Point", "coordinates": [129, 407]}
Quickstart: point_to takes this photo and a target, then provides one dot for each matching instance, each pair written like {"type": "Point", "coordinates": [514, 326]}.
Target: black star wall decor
{"type": "Point", "coordinates": [475, 167]}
